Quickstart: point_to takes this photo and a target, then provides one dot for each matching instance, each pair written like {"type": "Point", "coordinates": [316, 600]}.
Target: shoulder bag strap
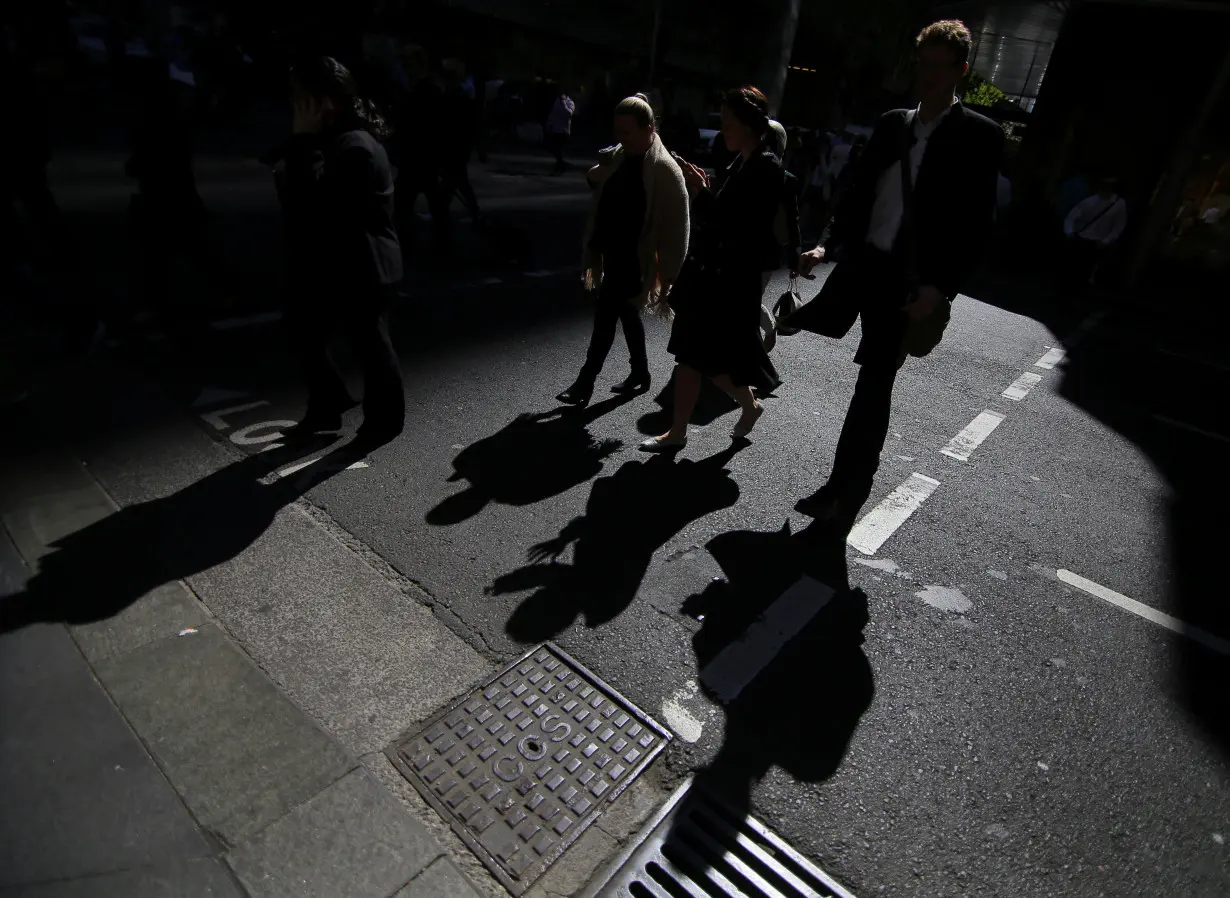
{"type": "Point", "coordinates": [1098, 217]}
{"type": "Point", "coordinates": [907, 206]}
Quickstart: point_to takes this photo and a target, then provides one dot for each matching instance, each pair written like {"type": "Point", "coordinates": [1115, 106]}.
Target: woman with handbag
{"type": "Point", "coordinates": [717, 298]}
{"type": "Point", "coordinates": [636, 239]}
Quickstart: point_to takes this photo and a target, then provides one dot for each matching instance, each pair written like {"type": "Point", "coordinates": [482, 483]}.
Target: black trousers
{"type": "Point", "coordinates": [410, 185]}
{"type": "Point", "coordinates": [616, 304]}
{"type": "Point", "coordinates": [880, 356]}
{"type": "Point", "coordinates": [363, 321]}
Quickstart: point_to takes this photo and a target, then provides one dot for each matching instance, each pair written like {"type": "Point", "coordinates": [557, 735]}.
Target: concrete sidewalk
{"type": "Point", "coordinates": [185, 717]}
{"type": "Point", "coordinates": [201, 672]}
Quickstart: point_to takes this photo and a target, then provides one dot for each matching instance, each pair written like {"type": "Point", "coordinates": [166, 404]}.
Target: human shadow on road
{"type": "Point", "coordinates": [713, 404]}
{"type": "Point", "coordinates": [532, 458]}
{"type": "Point", "coordinates": [629, 516]}
{"type": "Point", "coordinates": [98, 571]}
{"type": "Point", "coordinates": [801, 709]}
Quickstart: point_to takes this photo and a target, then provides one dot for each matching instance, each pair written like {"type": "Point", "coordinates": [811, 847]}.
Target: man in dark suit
{"type": "Point", "coordinates": [901, 280]}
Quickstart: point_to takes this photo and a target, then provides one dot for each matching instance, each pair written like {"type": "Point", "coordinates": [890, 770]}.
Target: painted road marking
{"type": "Point", "coordinates": [1021, 386]}
{"type": "Point", "coordinates": [1192, 427]}
{"type": "Point", "coordinates": [1051, 359]}
{"type": "Point", "coordinates": [294, 469]}
{"type": "Point", "coordinates": [882, 521]}
{"type": "Point", "coordinates": [1216, 643]}
{"type": "Point", "coordinates": [216, 417]}
{"type": "Point", "coordinates": [212, 396]}
{"type": "Point", "coordinates": [244, 435]}
{"type": "Point", "coordinates": [226, 324]}
{"type": "Point", "coordinates": [686, 725]}
{"type": "Point", "coordinates": [1194, 359]}
{"type": "Point", "coordinates": [962, 446]}
{"type": "Point", "coordinates": [742, 660]}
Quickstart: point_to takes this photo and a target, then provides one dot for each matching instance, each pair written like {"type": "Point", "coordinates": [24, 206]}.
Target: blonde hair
{"type": "Point", "coordinates": [639, 108]}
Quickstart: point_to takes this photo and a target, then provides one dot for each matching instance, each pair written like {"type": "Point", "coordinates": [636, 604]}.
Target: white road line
{"type": "Point", "coordinates": [1021, 386]}
{"type": "Point", "coordinates": [1216, 643]}
{"type": "Point", "coordinates": [1195, 359]}
{"type": "Point", "coordinates": [1053, 357]}
{"type": "Point", "coordinates": [742, 660]}
{"type": "Point", "coordinates": [215, 417]}
{"type": "Point", "coordinates": [962, 446]}
{"type": "Point", "coordinates": [226, 324]}
{"type": "Point", "coordinates": [286, 472]}
{"type": "Point", "coordinates": [882, 521]}
{"type": "Point", "coordinates": [1192, 427]}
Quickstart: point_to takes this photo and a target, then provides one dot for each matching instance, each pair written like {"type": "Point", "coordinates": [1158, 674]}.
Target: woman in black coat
{"type": "Point", "coordinates": [343, 258]}
{"type": "Point", "coordinates": [717, 297]}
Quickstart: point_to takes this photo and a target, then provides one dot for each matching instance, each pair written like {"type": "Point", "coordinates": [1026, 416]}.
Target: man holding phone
{"type": "Point", "coordinates": [907, 232]}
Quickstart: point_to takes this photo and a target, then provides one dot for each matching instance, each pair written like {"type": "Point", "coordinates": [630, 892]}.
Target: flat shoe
{"type": "Point", "coordinates": [657, 445]}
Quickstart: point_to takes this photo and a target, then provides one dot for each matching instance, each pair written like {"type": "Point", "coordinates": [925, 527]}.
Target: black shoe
{"type": "Point", "coordinates": [824, 505]}
{"type": "Point", "coordinates": [636, 383]}
{"type": "Point", "coordinates": [578, 394]}
{"type": "Point", "coordinates": [379, 432]}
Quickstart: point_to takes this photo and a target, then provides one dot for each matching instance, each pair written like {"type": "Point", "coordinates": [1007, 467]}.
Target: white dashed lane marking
{"type": "Point", "coordinates": [1192, 428]}
{"type": "Point", "coordinates": [741, 661]}
{"type": "Point", "coordinates": [962, 446]}
{"type": "Point", "coordinates": [1021, 386]}
{"type": "Point", "coordinates": [882, 521]}
{"type": "Point", "coordinates": [1216, 643]}
{"type": "Point", "coordinates": [1051, 359]}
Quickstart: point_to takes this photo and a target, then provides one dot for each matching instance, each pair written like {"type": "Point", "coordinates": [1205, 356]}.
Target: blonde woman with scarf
{"type": "Point", "coordinates": [636, 239]}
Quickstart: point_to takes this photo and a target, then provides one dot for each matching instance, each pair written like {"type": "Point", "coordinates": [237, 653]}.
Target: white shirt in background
{"type": "Point", "coordinates": [1098, 219]}
{"type": "Point", "coordinates": [889, 206]}
{"type": "Point", "coordinates": [560, 119]}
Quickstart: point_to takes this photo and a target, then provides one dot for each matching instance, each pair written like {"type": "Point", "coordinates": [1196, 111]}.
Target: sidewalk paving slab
{"type": "Point", "coordinates": [441, 880]}
{"type": "Point", "coordinates": [236, 750]}
{"type": "Point", "coordinates": [67, 756]}
{"type": "Point", "coordinates": [352, 839]}
{"type": "Point", "coordinates": [200, 878]}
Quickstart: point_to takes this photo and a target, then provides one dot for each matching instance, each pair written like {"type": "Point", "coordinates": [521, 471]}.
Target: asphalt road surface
{"type": "Point", "coordinates": [979, 715]}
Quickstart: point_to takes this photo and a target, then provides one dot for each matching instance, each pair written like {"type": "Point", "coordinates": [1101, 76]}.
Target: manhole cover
{"type": "Point", "coordinates": [697, 846]}
{"type": "Point", "coordinates": [522, 765]}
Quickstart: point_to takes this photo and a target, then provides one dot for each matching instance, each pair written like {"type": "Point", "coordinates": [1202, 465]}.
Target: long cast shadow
{"type": "Point", "coordinates": [1108, 336]}
{"type": "Point", "coordinates": [629, 516]}
{"type": "Point", "coordinates": [532, 458]}
{"type": "Point", "coordinates": [100, 570]}
{"type": "Point", "coordinates": [800, 711]}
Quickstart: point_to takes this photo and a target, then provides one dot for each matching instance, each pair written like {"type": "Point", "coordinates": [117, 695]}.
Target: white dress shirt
{"type": "Point", "coordinates": [888, 208]}
{"type": "Point", "coordinates": [1098, 219]}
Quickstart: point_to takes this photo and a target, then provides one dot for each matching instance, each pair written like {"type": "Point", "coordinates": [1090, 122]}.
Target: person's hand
{"type": "Point", "coordinates": [925, 303]}
{"type": "Point", "coordinates": [808, 261]}
{"type": "Point", "coordinates": [307, 117]}
{"type": "Point", "coordinates": [694, 176]}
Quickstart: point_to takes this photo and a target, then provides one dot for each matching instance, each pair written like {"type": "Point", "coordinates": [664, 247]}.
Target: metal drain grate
{"type": "Point", "coordinates": [696, 847]}
{"type": "Point", "coordinates": [524, 763]}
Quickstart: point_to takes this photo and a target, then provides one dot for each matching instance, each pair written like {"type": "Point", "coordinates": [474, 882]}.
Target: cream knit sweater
{"type": "Point", "coordinates": [663, 243]}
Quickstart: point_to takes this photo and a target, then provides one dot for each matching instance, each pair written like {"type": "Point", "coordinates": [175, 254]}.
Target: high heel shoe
{"type": "Point", "coordinates": [742, 428]}
{"type": "Point", "coordinates": [662, 445]}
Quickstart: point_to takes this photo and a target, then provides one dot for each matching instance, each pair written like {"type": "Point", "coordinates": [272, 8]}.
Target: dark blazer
{"type": "Point", "coordinates": [337, 196]}
{"type": "Point", "coordinates": [954, 194]}
{"type": "Point", "coordinates": [736, 220]}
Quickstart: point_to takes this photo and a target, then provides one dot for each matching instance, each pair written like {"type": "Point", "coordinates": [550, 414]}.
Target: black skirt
{"type": "Point", "coordinates": [717, 325]}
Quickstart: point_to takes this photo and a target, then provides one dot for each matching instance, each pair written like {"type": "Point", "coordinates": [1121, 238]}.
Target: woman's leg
{"type": "Point", "coordinates": [687, 392]}
{"type": "Point", "coordinates": [742, 395]}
